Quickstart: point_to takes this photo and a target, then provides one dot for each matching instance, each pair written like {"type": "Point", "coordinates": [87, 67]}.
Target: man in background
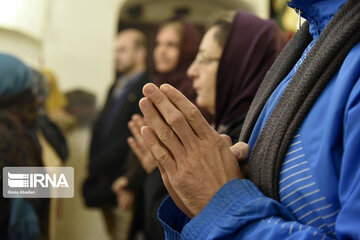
{"type": "Point", "coordinates": [109, 150]}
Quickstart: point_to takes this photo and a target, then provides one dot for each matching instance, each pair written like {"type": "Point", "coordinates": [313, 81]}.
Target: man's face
{"type": "Point", "coordinates": [125, 53]}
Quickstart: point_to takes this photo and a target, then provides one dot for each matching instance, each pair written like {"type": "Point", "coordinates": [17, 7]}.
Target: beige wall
{"type": "Point", "coordinates": [261, 7]}
{"type": "Point", "coordinates": [21, 30]}
{"type": "Point", "coordinates": [20, 45]}
{"type": "Point", "coordinates": [79, 42]}
{"type": "Point", "coordinates": [28, 16]}
{"type": "Point", "coordinates": [74, 38]}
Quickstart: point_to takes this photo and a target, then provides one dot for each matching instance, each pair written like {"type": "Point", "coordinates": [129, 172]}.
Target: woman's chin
{"type": "Point", "coordinates": [200, 103]}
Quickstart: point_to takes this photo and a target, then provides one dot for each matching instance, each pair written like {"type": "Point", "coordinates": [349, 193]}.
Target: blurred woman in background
{"type": "Point", "coordinates": [19, 147]}
{"type": "Point", "coordinates": [176, 44]}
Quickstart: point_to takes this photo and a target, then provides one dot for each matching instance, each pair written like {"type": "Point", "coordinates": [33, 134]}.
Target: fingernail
{"type": "Point", "coordinates": [165, 88]}
{"type": "Point", "coordinates": [146, 133]}
{"type": "Point", "coordinates": [148, 89]}
{"type": "Point", "coordinates": [144, 103]}
{"type": "Point", "coordinates": [142, 129]}
{"type": "Point", "coordinates": [135, 117]}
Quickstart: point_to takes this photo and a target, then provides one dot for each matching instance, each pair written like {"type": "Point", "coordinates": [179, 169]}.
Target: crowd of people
{"type": "Point", "coordinates": [230, 136]}
{"type": "Point", "coordinates": [33, 120]}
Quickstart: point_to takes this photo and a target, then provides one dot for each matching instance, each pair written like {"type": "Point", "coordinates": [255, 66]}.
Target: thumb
{"type": "Point", "coordinates": [240, 150]}
{"type": "Point", "coordinates": [123, 182]}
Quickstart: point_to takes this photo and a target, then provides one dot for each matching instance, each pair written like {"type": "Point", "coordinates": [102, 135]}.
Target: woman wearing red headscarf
{"type": "Point", "coordinates": [176, 45]}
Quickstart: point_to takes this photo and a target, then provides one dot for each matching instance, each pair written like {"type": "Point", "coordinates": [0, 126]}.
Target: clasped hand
{"type": "Point", "coordinates": [194, 160]}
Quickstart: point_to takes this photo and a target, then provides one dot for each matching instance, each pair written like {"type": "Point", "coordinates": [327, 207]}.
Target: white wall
{"type": "Point", "coordinates": [28, 16]}
{"type": "Point", "coordinates": [22, 29]}
{"type": "Point", "coordinates": [74, 39]}
{"type": "Point", "coordinates": [79, 43]}
{"type": "Point", "coordinates": [20, 45]}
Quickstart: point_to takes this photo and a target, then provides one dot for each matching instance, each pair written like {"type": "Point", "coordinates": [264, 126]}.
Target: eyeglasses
{"type": "Point", "coordinates": [203, 60]}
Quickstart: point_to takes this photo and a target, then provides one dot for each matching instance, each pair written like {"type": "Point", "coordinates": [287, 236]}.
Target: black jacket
{"type": "Point", "coordinates": [108, 155]}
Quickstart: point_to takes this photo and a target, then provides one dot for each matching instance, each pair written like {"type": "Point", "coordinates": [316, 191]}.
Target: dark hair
{"type": "Point", "coordinates": [222, 22]}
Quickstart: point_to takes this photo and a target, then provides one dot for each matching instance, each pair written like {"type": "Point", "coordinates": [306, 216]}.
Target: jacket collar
{"type": "Point", "coordinates": [317, 12]}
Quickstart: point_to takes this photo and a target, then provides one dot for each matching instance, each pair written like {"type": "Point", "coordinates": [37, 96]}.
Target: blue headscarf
{"type": "Point", "coordinates": [15, 76]}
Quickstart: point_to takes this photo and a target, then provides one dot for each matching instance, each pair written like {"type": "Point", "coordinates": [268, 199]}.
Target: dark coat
{"type": "Point", "coordinates": [108, 153]}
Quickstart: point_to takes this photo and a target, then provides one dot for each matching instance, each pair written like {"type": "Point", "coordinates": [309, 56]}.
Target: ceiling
{"type": "Point", "coordinates": [196, 11]}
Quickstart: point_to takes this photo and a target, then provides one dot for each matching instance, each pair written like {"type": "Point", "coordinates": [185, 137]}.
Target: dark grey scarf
{"type": "Point", "coordinates": [320, 65]}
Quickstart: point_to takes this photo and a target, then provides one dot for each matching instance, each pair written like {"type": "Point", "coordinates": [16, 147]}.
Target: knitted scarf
{"type": "Point", "coordinates": [320, 65]}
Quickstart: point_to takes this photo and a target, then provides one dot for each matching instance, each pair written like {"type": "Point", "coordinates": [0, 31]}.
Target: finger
{"type": "Point", "coordinates": [125, 201]}
{"type": "Point", "coordinates": [139, 143]}
{"type": "Point", "coordinates": [128, 200]}
{"type": "Point", "coordinates": [135, 130]}
{"type": "Point", "coordinates": [190, 111]}
{"type": "Point", "coordinates": [135, 148]}
{"type": "Point", "coordinates": [123, 182]}
{"type": "Point", "coordinates": [240, 150]}
{"type": "Point", "coordinates": [142, 157]}
{"type": "Point", "coordinates": [115, 187]}
{"type": "Point", "coordinates": [163, 131]}
{"type": "Point", "coordinates": [122, 202]}
{"type": "Point", "coordinates": [174, 118]}
{"type": "Point", "coordinates": [139, 120]}
{"type": "Point", "coordinates": [134, 116]}
{"type": "Point", "coordinates": [161, 154]}
{"type": "Point", "coordinates": [173, 194]}
{"type": "Point", "coordinates": [227, 139]}
{"type": "Point", "coordinates": [151, 162]}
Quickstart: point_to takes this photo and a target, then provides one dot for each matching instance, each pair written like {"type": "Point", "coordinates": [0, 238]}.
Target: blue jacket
{"type": "Point", "coordinates": [320, 176]}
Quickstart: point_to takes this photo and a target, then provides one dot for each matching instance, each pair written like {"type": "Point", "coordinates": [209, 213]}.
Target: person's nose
{"type": "Point", "coordinates": [162, 50]}
{"type": "Point", "coordinates": [192, 71]}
